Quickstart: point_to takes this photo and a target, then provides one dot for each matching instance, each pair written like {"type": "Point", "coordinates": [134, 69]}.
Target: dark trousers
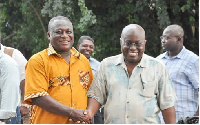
{"type": "Point", "coordinates": [98, 119]}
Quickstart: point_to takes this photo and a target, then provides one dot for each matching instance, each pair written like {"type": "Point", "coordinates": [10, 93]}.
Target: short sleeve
{"type": "Point", "coordinates": [36, 83]}
{"type": "Point", "coordinates": [167, 96]}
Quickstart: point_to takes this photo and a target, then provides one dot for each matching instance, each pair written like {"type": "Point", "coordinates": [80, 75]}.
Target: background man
{"type": "Point", "coordinates": [183, 67]}
{"type": "Point", "coordinates": [86, 47]}
{"type": "Point", "coordinates": [57, 78]}
{"type": "Point", "coordinates": [21, 61]}
{"type": "Point", "coordinates": [133, 86]}
{"type": "Point", "coordinates": [9, 89]}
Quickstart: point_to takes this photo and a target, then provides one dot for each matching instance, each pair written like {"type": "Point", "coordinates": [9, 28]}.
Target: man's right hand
{"type": "Point", "coordinates": [81, 116]}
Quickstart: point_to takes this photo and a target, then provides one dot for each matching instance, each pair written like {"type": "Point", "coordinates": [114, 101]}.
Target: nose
{"type": "Point", "coordinates": [65, 35]}
{"type": "Point", "coordinates": [162, 40]}
{"type": "Point", "coordinates": [133, 46]}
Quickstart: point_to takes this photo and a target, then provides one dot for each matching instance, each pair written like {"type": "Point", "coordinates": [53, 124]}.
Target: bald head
{"type": "Point", "coordinates": [133, 29]}
{"type": "Point", "coordinates": [175, 30]}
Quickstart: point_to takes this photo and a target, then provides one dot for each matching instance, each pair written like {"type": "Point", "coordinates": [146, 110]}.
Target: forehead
{"type": "Point", "coordinates": [89, 42]}
{"type": "Point", "coordinates": [133, 33]}
{"type": "Point", "coordinates": [132, 37]}
{"type": "Point", "coordinates": [61, 24]}
{"type": "Point", "coordinates": [169, 32]}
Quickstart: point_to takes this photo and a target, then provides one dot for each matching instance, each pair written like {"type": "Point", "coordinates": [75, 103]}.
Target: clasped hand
{"type": "Point", "coordinates": [80, 116]}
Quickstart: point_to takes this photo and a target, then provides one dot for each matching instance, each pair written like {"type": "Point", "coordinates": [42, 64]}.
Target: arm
{"type": "Point", "coordinates": [93, 107]}
{"type": "Point", "coordinates": [22, 85]}
{"type": "Point", "coordinates": [169, 115]}
{"type": "Point", "coordinates": [197, 113]}
{"type": "Point", "coordinates": [49, 104]}
{"type": "Point", "coordinates": [24, 108]}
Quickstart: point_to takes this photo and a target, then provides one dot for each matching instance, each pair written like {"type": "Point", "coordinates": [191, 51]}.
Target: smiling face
{"type": "Point", "coordinates": [86, 48]}
{"type": "Point", "coordinates": [61, 35]}
{"type": "Point", "coordinates": [133, 43]}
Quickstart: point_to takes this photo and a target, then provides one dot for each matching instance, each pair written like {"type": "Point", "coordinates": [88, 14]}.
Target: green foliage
{"type": "Point", "coordinates": [87, 19]}
{"type": "Point", "coordinates": [24, 22]}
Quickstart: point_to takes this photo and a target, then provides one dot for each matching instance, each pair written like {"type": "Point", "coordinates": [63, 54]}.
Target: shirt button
{"type": "Point", "coordinates": [127, 116]}
{"type": "Point", "coordinates": [130, 88]}
{"type": "Point", "coordinates": [128, 102]}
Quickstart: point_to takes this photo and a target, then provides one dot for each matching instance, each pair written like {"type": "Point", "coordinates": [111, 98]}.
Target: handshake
{"type": "Point", "coordinates": [80, 116]}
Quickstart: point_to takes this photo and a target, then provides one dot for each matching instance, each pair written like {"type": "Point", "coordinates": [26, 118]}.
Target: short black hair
{"type": "Point", "coordinates": [82, 38]}
{"type": "Point", "coordinates": [57, 18]}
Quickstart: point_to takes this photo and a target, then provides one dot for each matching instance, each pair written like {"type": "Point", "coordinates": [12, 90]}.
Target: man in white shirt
{"type": "Point", "coordinates": [21, 61]}
{"type": "Point", "coordinates": [9, 88]}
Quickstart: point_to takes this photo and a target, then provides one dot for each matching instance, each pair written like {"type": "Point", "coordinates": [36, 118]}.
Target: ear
{"type": "Point", "coordinates": [121, 41]}
{"type": "Point", "coordinates": [179, 38]}
{"type": "Point", "coordinates": [48, 35]}
{"type": "Point", "coordinates": [145, 41]}
{"type": "Point", "coordinates": [77, 46]}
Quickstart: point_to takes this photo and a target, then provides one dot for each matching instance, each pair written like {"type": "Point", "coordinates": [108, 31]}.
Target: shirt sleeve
{"type": "Point", "coordinates": [10, 92]}
{"type": "Point", "coordinates": [167, 96]}
{"type": "Point", "coordinates": [36, 83]}
{"type": "Point", "coordinates": [193, 73]}
{"type": "Point", "coordinates": [21, 60]}
{"type": "Point", "coordinates": [97, 89]}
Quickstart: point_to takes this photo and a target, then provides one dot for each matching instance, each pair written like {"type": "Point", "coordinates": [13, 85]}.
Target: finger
{"type": "Point", "coordinates": [83, 122]}
{"type": "Point", "coordinates": [78, 122]}
{"type": "Point", "coordinates": [85, 112]}
{"type": "Point", "coordinates": [70, 120]}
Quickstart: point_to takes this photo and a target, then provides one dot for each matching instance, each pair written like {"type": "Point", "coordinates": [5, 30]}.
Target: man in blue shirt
{"type": "Point", "coordinates": [183, 67]}
{"type": "Point", "coordinates": [86, 47]}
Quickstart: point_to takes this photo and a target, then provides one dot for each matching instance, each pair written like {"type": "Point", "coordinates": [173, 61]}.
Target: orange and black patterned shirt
{"type": "Point", "coordinates": [47, 73]}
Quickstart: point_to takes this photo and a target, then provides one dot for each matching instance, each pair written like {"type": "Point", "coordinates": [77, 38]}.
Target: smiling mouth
{"type": "Point", "coordinates": [64, 42]}
{"type": "Point", "coordinates": [133, 53]}
{"type": "Point", "coordinates": [87, 53]}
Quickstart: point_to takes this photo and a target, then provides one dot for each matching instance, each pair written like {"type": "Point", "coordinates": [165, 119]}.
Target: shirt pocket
{"type": "Point", "coordinates": [84, 79]}
{"type": "Point", "coordinates": [148, 85]}
{"type": "Point", "coordinates": [59, 81]}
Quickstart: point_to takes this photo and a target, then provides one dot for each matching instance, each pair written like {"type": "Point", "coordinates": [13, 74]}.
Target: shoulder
{"type": "Point", "coordinates": [190, 54]}
{"type": "Point", "coordinates": [38, 57]}
{"type": "Point", "coordinates": [41, 54]}
{"type": "Point", "coordinates": [112, 58]}
{"type": "Point", "coordinates": [151, 61]}
{"type": "Point", "coordinates": [94, 60]}
{"type": "Point", "coordinates": [18, 55]}
{"type": "Point", "coordinates": [191, 57]}
{"type": "Point", "coordinates": [8, 63]}
{"type": "Point", "coordinates": [161, 55]}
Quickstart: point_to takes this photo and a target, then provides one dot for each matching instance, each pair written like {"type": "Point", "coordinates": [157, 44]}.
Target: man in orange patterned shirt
{"type": "Point", "coordinates": [58, 78]}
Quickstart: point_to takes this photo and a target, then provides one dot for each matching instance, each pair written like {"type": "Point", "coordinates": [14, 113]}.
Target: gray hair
{"type": "Point", "coordinates": [57, 18]}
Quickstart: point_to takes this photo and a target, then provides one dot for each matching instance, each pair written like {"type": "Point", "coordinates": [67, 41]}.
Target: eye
{"type": "Point", "coordinates": [138, 44]}
{"type": "Point", "coordinates": [59, 32]}
{"type": "Point", "coordinates": [84, 45]}
{"type": "Point", "coordinates": [69, 32]}
{"type": "Point", "coordinates": [128, 43]}
{"type": "Point", "coordinates": [91, 47]}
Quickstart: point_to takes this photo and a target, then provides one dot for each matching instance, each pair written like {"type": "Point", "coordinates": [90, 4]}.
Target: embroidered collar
{"type": "Point", "coordinates": [52, 51]}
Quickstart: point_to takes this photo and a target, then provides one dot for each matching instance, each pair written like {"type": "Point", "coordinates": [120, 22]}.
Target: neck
{"type": "Point", "coordinates": [130, 67]}
{"type": "Point", "coordinates": [64, 54]}
{"type": "Point", "coordinates": [175, 52]}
